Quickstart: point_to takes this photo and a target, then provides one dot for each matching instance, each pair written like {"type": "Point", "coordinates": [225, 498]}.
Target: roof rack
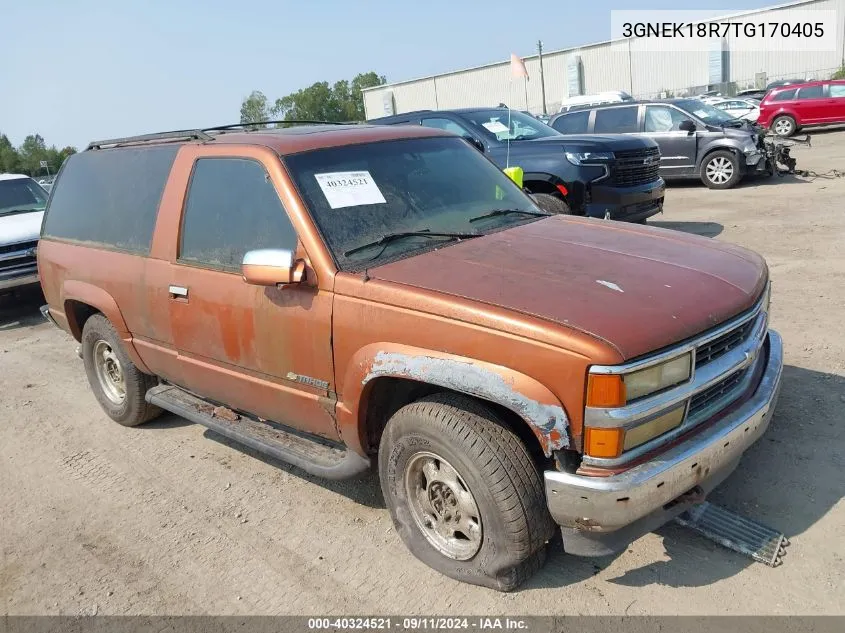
{"type": "Point", "coordinates": [237, 126]}
{"type": "Point", "coordinates": [176, 135]}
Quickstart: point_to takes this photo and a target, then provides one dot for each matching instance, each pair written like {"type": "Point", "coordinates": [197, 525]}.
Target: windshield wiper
{"type": "Point", "coordinates": [390, 237]}
{"type": "Point", "coordinates": [496, 212]}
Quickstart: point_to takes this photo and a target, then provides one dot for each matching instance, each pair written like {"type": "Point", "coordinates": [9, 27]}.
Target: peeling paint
{"type": "Point", "coordinates": [609, 284]}
{"type": "Point", "coordinates": [550, 421]}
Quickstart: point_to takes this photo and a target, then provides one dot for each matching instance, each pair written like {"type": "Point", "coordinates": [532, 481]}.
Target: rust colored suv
{"type": "Point", "coordinates": [336, 295]}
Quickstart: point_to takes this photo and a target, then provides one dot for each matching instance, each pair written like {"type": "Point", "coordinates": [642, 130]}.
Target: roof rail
{"type": "Point", "coordinates": [151, 138]}
{"type": "Point", "coordinates": [237, 126]}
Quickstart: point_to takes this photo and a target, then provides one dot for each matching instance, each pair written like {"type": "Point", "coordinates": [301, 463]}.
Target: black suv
{"type": "Point", "coordinates": [695, 139]}
{"type": "Point", "coordinates": [612, 176]}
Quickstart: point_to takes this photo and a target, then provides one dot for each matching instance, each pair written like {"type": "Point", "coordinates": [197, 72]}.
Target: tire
{"type": "Point", "coordinates": [551, 204]}
{"type": "Point", "coordinates": [720, 170]}
{"type": "Point", "coordinates": [784, 126]}
{"type": "Point", "coordinates": [461, 459]}
{"type": "Point", "coordinates": [108, 368]}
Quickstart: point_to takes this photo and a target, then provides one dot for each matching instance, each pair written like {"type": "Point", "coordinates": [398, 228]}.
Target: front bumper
{"type": "Point", "coordinates": [592, 509]}
{"type": "Point", "coordinates": [628, 204]}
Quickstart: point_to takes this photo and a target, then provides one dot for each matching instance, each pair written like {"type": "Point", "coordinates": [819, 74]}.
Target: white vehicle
{"type": "Point", "coordinates": [588, 101]}
{"type": "Point", "coordinates": [22, 202]}
{"type": "Point", "coordinates": [739, 108]}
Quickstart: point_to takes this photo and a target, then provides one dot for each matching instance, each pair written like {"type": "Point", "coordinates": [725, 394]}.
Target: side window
{"type": "Point", "coordinates": [811, 92]}
{"type": "Point", "coordinates": [575, 123]}
{"type": "Point", "coordinates": [837, 91]}
{"type": "Point", "coordinates": [786, 95]}
{"type": "Point", "coordinates": [231, 208]}
{"type": "Point", "coordinates": [660, 118]}
{"type": "Point", "coordinates": [446, 124]}
{"type": "Point", "coordinates": [616, 120]}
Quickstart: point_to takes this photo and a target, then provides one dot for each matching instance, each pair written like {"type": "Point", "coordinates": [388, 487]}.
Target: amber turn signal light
{"type": "Point", "coordinates": [605, 390]}
{"type": "Point", "coordinates": [604, 442]}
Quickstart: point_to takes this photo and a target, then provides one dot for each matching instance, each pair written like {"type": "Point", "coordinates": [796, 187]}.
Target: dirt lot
{"type": "Point", "coordinates": [166, 518]}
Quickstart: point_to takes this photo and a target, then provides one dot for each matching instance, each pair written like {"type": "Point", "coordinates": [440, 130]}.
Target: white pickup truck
{"type": "Point", "coordinates": [22, 202]}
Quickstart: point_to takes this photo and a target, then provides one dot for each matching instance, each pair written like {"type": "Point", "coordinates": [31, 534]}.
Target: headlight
{"type": "Point", "coordinates": [767, 297]}
{"type": "Point", "coordinates": [614, 390]}
{"type": "Point", "coordinates": [647, 381]}
{"type": "Point", "coordinates": [578, 158]}
{"type": "Point", "coordinates": [611, 442]}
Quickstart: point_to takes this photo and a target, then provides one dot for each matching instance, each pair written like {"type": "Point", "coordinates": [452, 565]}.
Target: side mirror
{"type": "Point", "coordinates": [687, 126]}
{"type": "Point", "coordinates": [271, 267]}
{"type": "Point", "coordinates": [475, 143]}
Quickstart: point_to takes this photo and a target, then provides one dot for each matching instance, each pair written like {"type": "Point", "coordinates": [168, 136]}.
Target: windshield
{"type": "Point", "coordinates": [496, 125]}
{"type": "Point", "coordinates": [704, 111]}
{"type": "Point", "coordinates": [21, 194]}
{"type": "Point", "coordinates": [358, 194]}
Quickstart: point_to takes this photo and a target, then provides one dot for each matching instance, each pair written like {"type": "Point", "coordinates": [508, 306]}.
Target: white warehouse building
{"type": "Point", "coordinates": [632, 65]}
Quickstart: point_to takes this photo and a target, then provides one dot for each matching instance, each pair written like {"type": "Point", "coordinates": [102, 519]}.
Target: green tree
{"type": "Point", "coordinates": [31, 153]}
{"type": "Point", "coordinates": [8, 156]}
{"type": "Point", "coordinates": [320, 102]}
{"type": "Point", "coordinates": [254, 108]}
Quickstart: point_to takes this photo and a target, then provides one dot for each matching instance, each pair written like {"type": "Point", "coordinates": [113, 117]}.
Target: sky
{"type": "Point", "coordinates": [79, 70]}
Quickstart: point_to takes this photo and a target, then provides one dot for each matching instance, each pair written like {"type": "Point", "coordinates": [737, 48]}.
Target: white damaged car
{"type": "Point", "coordinates": [22, 202]}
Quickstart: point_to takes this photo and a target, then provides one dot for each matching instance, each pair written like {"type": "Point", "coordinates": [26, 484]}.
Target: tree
{"type": "Point", "coordinates": [27, 158]}
{"type": "Point", "coordinates": [8, 156]}
{"type": "Point", "coordinates": [320, 102]}
{"type": "Point", "coordinates": [254, 108]}
{"type": "Point", "coordinates": [31, 153]}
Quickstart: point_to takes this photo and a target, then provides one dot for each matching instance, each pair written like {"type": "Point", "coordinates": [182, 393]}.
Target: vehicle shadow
{"type": "Point", "coordinates": [705, 229]}
{"type": "Point", "coordinates": [788, 480]}
{"type": "Point", "coordinates": [364, 489]}
{"type": "Point", "coordinates": [21, 309]}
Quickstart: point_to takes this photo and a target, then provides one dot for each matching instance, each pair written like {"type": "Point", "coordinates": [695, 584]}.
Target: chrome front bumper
{"type": "Point", "coordinates": [607, 504]}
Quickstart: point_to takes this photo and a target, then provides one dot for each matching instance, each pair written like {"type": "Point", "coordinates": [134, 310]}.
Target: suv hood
{"type": "Point", "coordinates": [600, 142]}
{"type": "Point", "coordinates": [20, 227]}
{"type": "Point", "coordinates": [640, 289]}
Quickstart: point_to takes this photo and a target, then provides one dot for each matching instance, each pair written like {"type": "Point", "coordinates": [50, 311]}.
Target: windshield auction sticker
{"type": "Point", "coordinates": [349, 189]}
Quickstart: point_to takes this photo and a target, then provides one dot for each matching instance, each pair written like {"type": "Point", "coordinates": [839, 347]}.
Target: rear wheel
{"type": "Point", "coordinates": [784, 126]}
{"type": "Point", "coordinates": [463, 492]}
{"type": "Point", "coordinates": [550, 203]}
{"type": "Point", "coordinates": [720, 170]}
{"type": "Point", "coordinates": [119, 386]}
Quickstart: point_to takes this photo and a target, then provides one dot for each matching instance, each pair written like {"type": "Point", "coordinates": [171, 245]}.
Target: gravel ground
{"type": "Point", "coordinates": [169, 519]}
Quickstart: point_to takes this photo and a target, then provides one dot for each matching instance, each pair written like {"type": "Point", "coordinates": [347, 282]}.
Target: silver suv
{"type": "Point", "coordinates": [695, 138]}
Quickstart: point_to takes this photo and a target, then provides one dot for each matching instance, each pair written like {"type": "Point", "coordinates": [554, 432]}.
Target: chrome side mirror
{"type": "Point", "coordinates": [271, 267]}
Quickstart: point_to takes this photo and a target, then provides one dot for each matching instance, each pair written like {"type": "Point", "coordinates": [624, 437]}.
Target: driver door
{"type": "Point", "coordinates": [678, 147]}
{"type": "Point", "coordinates": [261, 350]}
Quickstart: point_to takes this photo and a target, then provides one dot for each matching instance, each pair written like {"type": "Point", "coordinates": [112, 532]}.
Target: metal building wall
{"type": "Point", "coordinates": [617, 65]}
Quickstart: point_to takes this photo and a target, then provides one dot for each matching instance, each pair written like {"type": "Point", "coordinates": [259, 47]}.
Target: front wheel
{"type": "Point", "coordinates": [463, 492]}
{"type": "Point", "coordinates": [551, 204]}
{"type": "Point", "coordinates": [720, 170]}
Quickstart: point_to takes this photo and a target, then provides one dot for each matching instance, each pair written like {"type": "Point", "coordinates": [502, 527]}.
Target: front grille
{"type": "Point", "coordinates": [20, 246]}
{"type": "Point", "coordinates": [719, 347]}
{"type": "Point", "coordinates": [720, 390]}
{"type": "Point", "coordinates": [630, 169]}
{"type": "Point", "coordinates": [17, 256]}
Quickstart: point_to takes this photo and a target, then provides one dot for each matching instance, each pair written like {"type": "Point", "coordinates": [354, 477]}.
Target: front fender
{"type": "Point", "coordinates": [96, 297]}
{"type": "Point", "coordinates": [530, 400]}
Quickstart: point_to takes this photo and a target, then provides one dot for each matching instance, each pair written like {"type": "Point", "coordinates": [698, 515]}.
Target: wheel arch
{"type": "Point", "coordinates": [81, 300]}
{"type": "Point", "coordinates": [417, 372]}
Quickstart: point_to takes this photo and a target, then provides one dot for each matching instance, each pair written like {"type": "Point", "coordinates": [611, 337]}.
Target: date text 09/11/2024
{"type": "Point", "coordinates": [417, 623]}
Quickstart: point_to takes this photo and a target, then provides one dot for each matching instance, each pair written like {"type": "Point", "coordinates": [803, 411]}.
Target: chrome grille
{"type": "Point", "coordinates": [15, 256]}
{"type": "Point", "coordinates": [629, 168]}
{"type": "Point", "coordinates": [722, 345]}
{"type": "Point", "coordinates": [716, 393]}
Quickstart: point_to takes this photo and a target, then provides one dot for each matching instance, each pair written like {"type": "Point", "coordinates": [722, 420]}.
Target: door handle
{"type": "Point", "coordinates": [178, 292]}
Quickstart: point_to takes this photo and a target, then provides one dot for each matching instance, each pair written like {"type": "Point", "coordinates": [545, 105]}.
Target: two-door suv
{"type": "Point", "coordinates": [336, 295]}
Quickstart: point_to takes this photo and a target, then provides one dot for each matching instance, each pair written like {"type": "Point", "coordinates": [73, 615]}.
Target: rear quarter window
{"type": "Point", "coordinates": [110, 197]}
{"type": "Point", "coordinates": [786, 95]}
{"type": "Point", "coordinates": [574, 123]}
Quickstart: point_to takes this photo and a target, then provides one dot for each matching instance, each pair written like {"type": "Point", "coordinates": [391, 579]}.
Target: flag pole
{"type": "Point", "coordinates": [510, 94]}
